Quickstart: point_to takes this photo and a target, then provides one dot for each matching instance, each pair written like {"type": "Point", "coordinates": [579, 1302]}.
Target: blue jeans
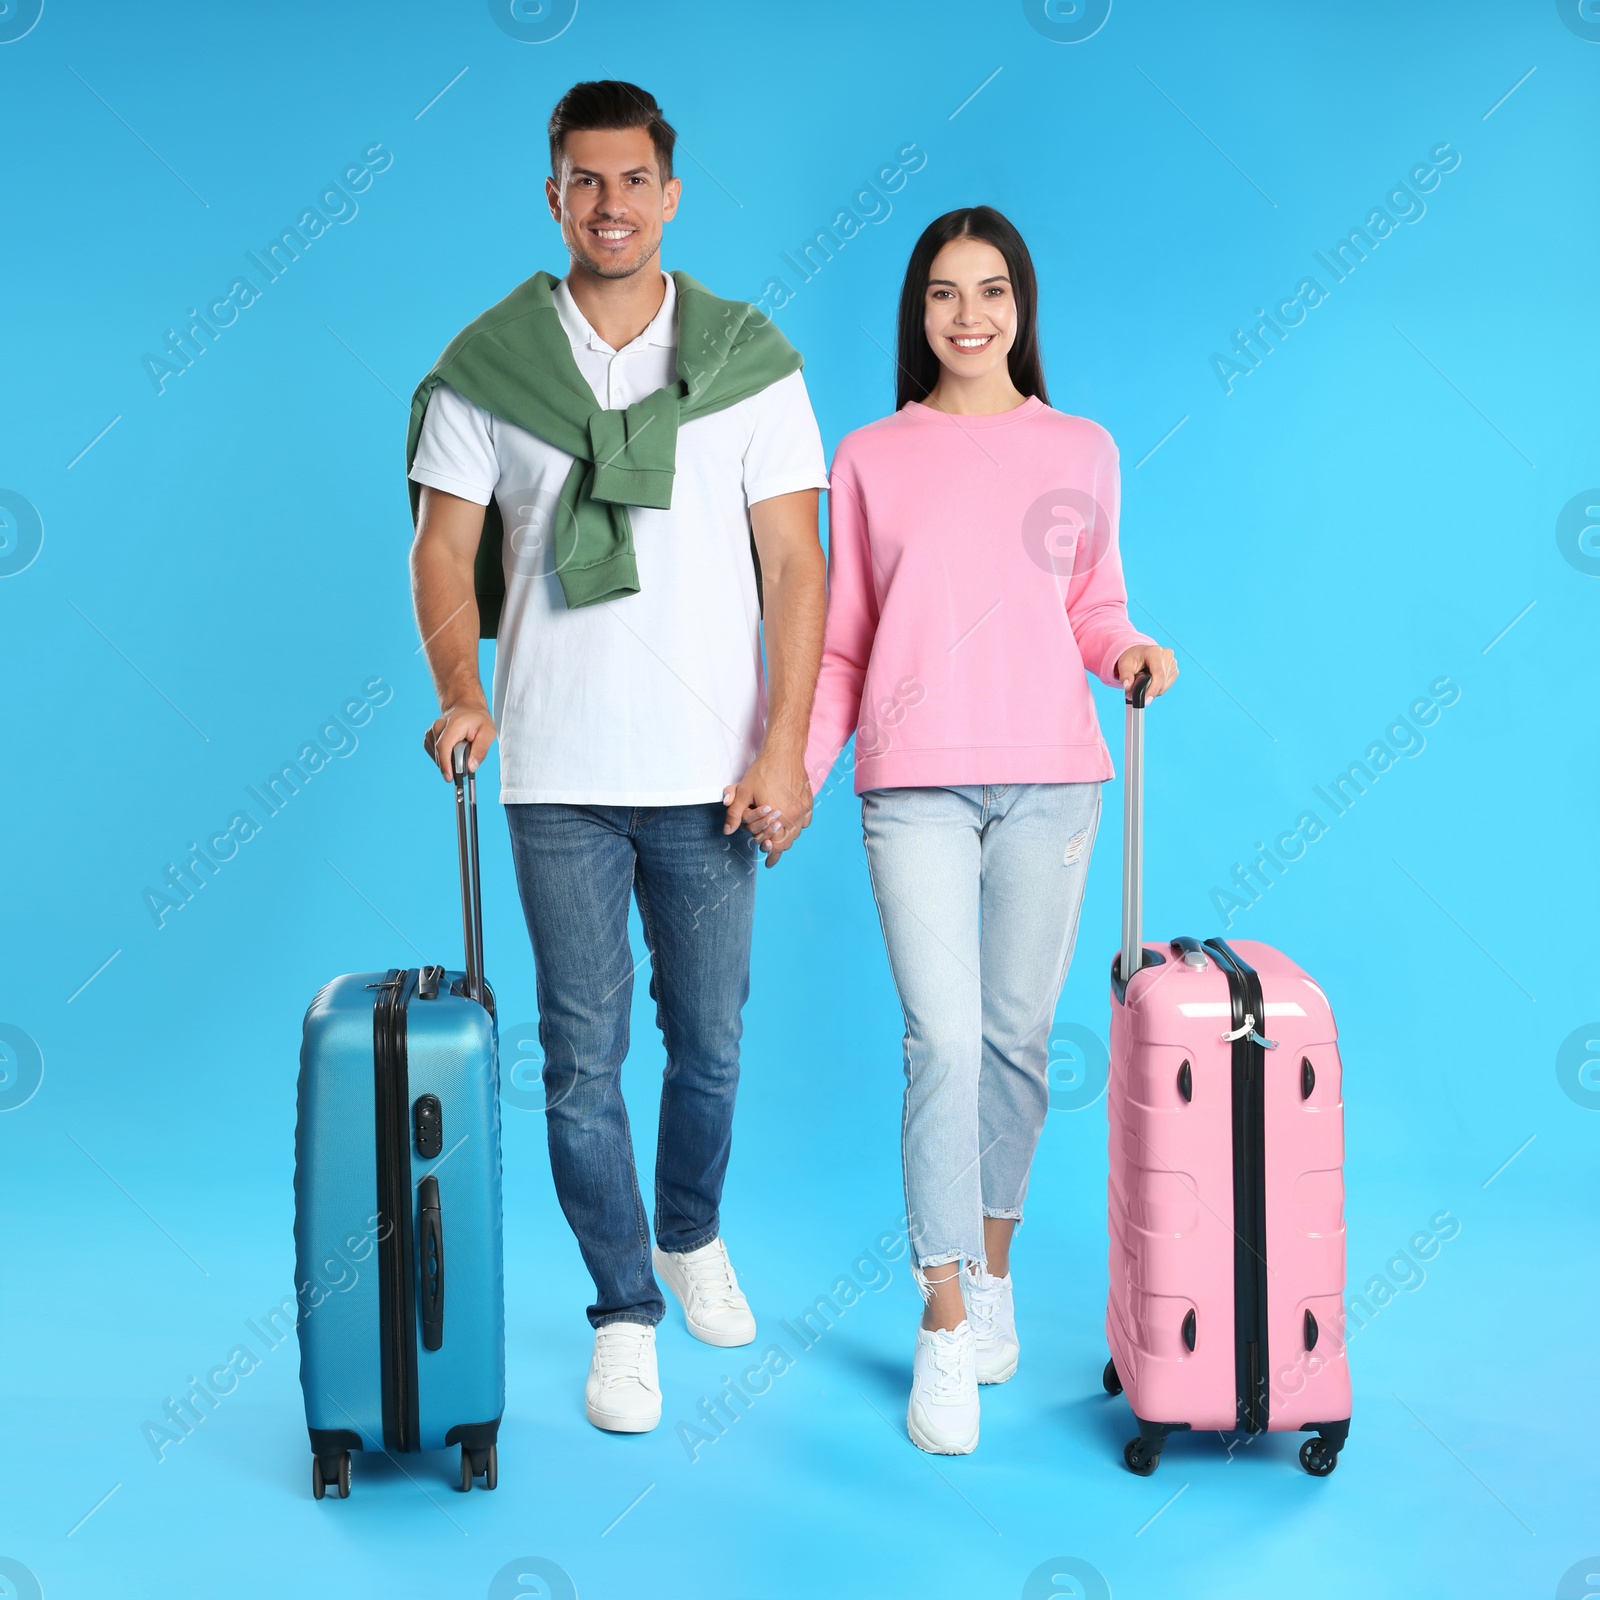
{"type": "Point", "coordinates": [978, 890]}
{"type": "Point", "coordinates": [576, 868]}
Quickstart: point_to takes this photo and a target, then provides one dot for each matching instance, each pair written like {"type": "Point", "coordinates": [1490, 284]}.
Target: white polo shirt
{"type": "Point", "coordinates": [657, 698]}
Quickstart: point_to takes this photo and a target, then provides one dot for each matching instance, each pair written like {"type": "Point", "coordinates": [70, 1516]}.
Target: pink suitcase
{"type": "Point", "coordinates": [1226, 1188]}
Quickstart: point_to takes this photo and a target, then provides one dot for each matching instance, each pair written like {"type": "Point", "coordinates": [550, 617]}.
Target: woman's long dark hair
{"type": "Point", "coordinates": [918, 366]}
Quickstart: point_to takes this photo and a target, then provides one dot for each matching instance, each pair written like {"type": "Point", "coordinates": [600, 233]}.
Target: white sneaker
{"type": "Point", "coordinates": [703, 1281]}
{"type": "Point", "coordinates": [993, 1315]}
{"type": "Point", "coordinates": [943, 1415]}
{"type": "Point", "coordinates": [623, 1394]}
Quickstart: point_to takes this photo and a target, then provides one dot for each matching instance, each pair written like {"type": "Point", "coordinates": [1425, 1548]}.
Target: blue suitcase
{"type": "Point", "coordinates": [397, 1207]}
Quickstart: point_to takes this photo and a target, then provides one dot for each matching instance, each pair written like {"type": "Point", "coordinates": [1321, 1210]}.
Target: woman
{"type": "Point", "coordinates": [973, 576]}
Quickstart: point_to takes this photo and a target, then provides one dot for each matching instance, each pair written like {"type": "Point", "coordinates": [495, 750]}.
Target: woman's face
{"type": "Point", "coordinates": [970, 312]}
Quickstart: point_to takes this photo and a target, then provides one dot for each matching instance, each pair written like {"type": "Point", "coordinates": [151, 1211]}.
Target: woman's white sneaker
{"type": "Point", "coordinates": [713, 1307]}
{"type": "Point", "coordinates": [623, 1394]}
{"type": "Point", "coordinates": [993, 1315]}
{"type": "Point", "coordinates": [943, 1415]}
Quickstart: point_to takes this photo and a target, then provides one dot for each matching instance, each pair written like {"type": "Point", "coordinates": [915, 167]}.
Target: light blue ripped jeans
{"type": "Point", "coordinates": [978, 891]}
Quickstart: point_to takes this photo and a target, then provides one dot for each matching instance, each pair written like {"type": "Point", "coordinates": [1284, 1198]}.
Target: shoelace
{"type": "Point", "coordinates": [983, 1301]}
{"type": "Point", "coordinates": [710, 1275]}
{"type": "Point", "coordinates": [949, 1365]}
{"type": "Point", "coordinates": [620, 1356]}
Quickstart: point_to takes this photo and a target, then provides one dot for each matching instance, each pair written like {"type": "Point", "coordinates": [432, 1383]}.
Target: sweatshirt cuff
{"type": "Point", "coordinates": [611, 578]}
{"type": "Point", "coordinates": [822, 754]}
{"type": "Point", "coordinates": [1107, 670]}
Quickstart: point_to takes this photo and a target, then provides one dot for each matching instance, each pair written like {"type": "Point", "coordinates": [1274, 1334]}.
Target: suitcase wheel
{"type": "Point", "coordinates": [339, 1481]}
{"type": "Point", "coordinates": [1318, 1457]}
{"type": "Point", "coordinates": [486, 1461]}
{"type": "Point", "coordinates": [1110, 1379]}
{"type": "Point", "coordinates": [1143, 1456]}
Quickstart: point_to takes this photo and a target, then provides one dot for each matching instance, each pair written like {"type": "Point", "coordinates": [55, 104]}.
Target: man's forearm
{"type": "Point", "coordinates": [796, 606]}
{"type": "Point", "coordinates": [447, 618]}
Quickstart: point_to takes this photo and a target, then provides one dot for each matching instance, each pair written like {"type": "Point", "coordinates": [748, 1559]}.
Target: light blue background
{"type": "Point", "coordinates": [1364, 514]}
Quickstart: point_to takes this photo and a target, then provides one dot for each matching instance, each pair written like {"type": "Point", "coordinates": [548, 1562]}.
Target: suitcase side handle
{"type": "Point", "coordinates": [471, 888]}
{"type": "Point", "coordinates": [430, 1246]}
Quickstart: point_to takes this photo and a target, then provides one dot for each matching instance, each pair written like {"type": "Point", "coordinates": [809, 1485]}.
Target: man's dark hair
{"type": "Point", "coordinates": [610, 103]}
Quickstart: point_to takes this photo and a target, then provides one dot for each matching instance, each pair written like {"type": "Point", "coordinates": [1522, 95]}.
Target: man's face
{"type": "Point", "coordinates": [610, 200]}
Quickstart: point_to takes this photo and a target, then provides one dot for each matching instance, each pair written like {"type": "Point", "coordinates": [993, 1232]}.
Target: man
{"type": "Point", "coordinates": [640, 464]}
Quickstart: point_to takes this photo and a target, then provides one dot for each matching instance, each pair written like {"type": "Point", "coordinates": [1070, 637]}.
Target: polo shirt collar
{"type": "Point", "coordinates": [662, 330]}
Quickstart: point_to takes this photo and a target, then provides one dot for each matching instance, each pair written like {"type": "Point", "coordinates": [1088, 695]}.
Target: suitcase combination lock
{"type": "Point", "coordinates": [428, 1123]}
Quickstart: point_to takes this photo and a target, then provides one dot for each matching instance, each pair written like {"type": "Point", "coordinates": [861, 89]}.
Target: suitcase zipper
{"type": "Point", "coordinates": [1249, 1189]}
{"type": "Point", "coordinates": [396, 1289]}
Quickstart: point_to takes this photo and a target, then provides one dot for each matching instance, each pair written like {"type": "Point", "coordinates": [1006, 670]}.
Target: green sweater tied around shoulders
{"type": "Point", "coordinates": [516, 362]}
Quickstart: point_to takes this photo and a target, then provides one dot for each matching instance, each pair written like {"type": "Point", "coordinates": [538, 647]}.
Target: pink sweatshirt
{"type": "Point", "coordinates": [973, 575]}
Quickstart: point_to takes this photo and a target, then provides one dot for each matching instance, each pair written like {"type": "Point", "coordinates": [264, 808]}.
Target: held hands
{"type": "Point", "coordinates": [772, 800]}
{"type": "Point", "coordinates": [471, 722]}
{"type": "Point", "coordinates": [1161, 664]}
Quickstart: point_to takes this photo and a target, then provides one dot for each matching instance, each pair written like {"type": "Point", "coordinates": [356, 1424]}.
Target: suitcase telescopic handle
{"type": "Point", "coordinates": [471, 889]}
{"type": "Point", "coordinates": [1132, 957]}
